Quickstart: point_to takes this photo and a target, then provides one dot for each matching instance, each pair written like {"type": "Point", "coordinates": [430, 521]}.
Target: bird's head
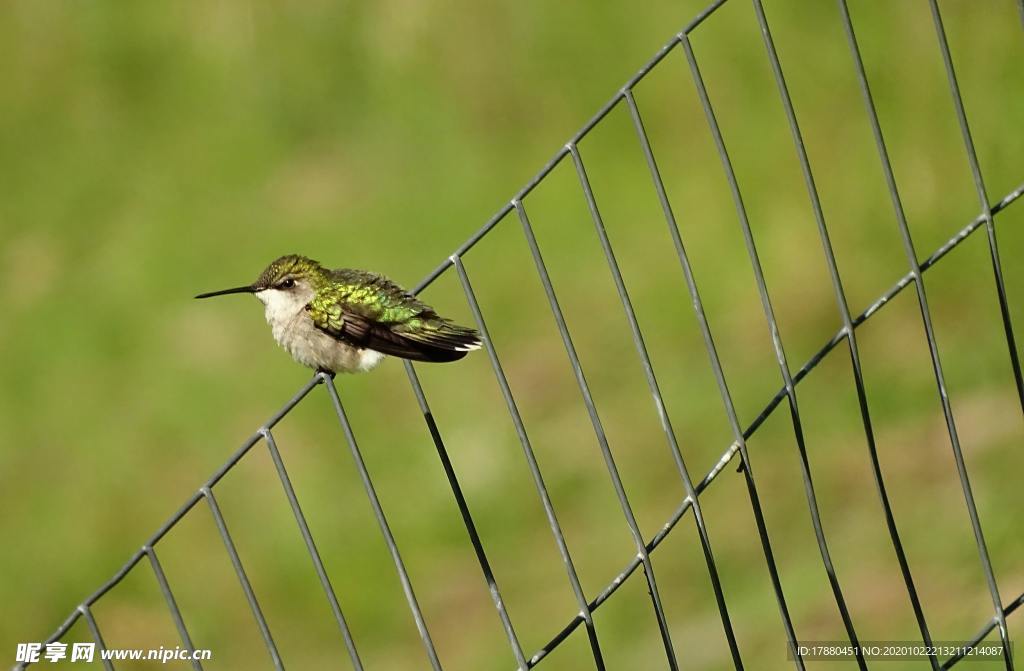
{"type": "Point", "coordinates": [290, 281]}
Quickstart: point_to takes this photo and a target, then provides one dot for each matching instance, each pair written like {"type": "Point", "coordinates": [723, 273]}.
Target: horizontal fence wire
{"type": "Point", "coordinates": [736, 450]}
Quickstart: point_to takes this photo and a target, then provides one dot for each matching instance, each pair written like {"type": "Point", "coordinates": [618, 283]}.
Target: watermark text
{"type": "Point", "coordinates": [34, 653]}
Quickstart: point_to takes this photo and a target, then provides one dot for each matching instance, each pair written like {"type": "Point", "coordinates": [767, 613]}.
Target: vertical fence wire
{"type": "Point", "coordinates": [172, 605]}
{"type": "Point", "coordinates": [659, 403]}
{"type": "Point", "coordinates": [531, 460]}
{"type": "Point", "coordinates": [602, 439]}
{"type": "Point", "coordinates": [385, 529]}
{"type": "Point", "coordinates": [467, 519]}
{"type": "Point", "coordinates": [979, 185]}
{"type": "Point", "coordinates": [730, 409]}
{"type": "Point", "coordinates": [314, 554]}
{"type": "Point", "coordinates": [762, 288]}
{"type": "Point", "coordinates": [243, 578]}
{"type": "Point", "coordinates": [848, 330]}
{"type": "Point", "coordinates": [787, 393]}
{"type": "Point", "coordinates": [97, 637]}
{"type": "Point", "coordinates": [926, 318]}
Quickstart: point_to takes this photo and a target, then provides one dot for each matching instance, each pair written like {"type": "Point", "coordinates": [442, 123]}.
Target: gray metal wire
{"type": "Point", "coordinates": [922, 299]}
{"type": "Point", "coordinates": [172, 605]}
{"type": "Point", "coordinates": [848, 331]}
{"type": "Point", "coordinates": [780, 353]}
{"type": "Point", "coordinates": [602, 440]}
{"type": "Point", "coordinates": [790, 380]}
{"type": "Point", "coordinates": [531, 460]}
{"type": "Point", "coordinates": [314, 554]}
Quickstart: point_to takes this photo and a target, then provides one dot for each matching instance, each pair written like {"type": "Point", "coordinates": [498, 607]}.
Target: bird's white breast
{"type": "Point", "coordinates": [294, 330]}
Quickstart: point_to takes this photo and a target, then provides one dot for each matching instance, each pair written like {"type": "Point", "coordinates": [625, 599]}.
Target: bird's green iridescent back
{"type": "Point", "coordinates": [369, 296]}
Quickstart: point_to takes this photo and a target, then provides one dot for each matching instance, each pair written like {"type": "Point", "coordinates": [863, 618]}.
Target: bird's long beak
{"type": "Point", "coordinates": [236, 290]}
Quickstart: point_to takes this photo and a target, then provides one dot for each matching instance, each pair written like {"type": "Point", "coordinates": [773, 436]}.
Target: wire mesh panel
{"type": "Point", "coordinates": [573, 160]}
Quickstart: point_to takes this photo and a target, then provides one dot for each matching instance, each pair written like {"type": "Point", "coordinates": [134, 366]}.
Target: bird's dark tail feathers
{"type": "Point", "coordinates": [441, 342]}
{"type": "Point", "coordinates": [436, 342]}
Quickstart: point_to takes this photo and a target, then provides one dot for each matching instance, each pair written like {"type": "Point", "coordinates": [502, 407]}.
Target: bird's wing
{"type": "Point", "coordinates": [370, 311]}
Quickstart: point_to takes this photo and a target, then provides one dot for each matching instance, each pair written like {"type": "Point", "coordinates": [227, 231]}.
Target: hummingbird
{"type": "Point", "coordinates": [346, 321]}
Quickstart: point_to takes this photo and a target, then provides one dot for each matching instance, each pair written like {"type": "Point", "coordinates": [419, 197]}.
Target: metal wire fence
{"type": "Point", "coordinates": [737, 451]}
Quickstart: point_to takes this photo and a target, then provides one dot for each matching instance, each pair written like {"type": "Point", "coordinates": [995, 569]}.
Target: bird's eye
{"type": "Point", "coordinates": [287, 284]}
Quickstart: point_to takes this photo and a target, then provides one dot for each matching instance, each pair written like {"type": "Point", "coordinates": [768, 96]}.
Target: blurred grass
{"type": "Point", "coordinates": [150, 151]}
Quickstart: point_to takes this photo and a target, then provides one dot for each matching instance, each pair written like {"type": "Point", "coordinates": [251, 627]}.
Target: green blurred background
{"type": "Point", "coordinates": [149, 151]}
